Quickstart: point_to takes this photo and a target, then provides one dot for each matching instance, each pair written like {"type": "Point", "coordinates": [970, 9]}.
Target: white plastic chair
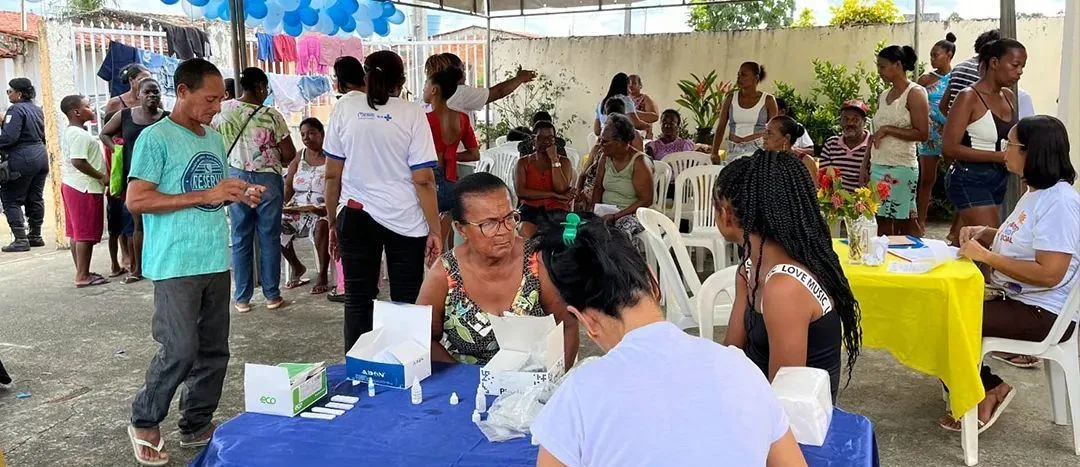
{"type": "Point", "coordinates": [657, 224]}
{"type": "Point", "coordinates": [504, 161]}
{"type": "Point", "coordinates": [484, 164]}
{"type": "Point", "coordinates": [681, 161]}
{"type": "Point", "coordinates": [1062, 367]}
{"type": "Point", "coordinates": [500, 140]}
{"type": "Point", "coordinates": [575, 158]}
{"type": "Point", "coordinates": [590, 141]}
{"type": "Point", "coordinates": [694, 186]}
{"type": "Point", "coordinates": [708, 311]}
{"type": "Point", "coordinates": [678, 307]}
{"type": "Point", "coordinates": [661, 181]}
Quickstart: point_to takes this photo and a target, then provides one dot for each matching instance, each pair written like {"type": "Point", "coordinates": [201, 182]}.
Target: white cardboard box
{"type": "Point", "coordinates": [806, 395]}
{"type": "Point", "coordinates": [269, 389]}
{"type": "Point", "coordinates": [518, 337]}
{"type": "Point", "coordinates": [398, 348]}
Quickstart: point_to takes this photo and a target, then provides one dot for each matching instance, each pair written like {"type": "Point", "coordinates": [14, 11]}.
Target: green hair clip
{"type": "Point", "coordinates": [570, 228]}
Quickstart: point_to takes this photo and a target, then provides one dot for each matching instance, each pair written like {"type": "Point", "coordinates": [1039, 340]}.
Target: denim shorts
{"type": "Point", "coordinates": [971, 185]}
{"type": "Point", "coordinates": [444, 190]}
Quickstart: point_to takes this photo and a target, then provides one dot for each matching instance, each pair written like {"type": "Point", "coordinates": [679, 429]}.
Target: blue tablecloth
{"type": "Point", "coordinates": [389, 430]}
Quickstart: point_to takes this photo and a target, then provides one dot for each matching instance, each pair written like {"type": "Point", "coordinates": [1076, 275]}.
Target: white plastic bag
{"type": "Point", "coordinates": [511, 414]}
{"type": "Point", "coordinates": [806, 395]}
{"type": "Point", "coordinates": [879, 247]}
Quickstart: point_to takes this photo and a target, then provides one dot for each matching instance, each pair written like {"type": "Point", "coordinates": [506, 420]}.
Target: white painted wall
{"type": "Point", "coordinates": [664, 59]}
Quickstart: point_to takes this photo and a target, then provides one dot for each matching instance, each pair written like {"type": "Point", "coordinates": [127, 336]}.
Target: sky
{"type": "Point", "coordinates": [664, 20]}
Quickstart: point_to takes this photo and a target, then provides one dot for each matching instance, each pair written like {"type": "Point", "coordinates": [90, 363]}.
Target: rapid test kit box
{"type": "Point", "coordinates": [398, 348]}
{"type": "Point", "coordinates": [285, 389]}
{"type": "Point", "coordinates": [530, 352]}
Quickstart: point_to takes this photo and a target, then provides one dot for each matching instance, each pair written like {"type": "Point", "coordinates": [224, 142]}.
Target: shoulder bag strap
{"type": "Point", "coordinates": [240, 134]}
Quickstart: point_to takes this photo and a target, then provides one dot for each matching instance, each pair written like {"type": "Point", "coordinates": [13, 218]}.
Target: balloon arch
{"type": "Point", "coordinates": [295, 17]}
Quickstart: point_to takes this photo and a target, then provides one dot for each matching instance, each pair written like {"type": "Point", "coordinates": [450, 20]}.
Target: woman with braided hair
{"type": "Point", "coordinates": [799, 309]}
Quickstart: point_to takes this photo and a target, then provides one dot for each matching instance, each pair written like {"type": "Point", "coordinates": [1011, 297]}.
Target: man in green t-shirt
{"type": "Point", "coordinates": [177, 183]}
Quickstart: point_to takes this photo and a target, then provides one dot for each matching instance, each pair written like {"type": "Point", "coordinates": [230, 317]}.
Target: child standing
{"type": "Point", "coordinates": [84, 181]}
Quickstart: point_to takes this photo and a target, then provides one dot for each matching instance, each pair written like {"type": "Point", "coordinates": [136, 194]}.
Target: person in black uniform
{"type": "Point", "coordinates": [22, 141]}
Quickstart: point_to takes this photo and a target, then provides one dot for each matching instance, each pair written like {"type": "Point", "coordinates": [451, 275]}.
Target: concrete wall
{"type": "Point", "coordinates": [662, 60]}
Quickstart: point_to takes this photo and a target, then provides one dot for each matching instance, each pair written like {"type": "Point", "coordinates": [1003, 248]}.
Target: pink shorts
{"type": "Point", "coordinates": [84, 214]}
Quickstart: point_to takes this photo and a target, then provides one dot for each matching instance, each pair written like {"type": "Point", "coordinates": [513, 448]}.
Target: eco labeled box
{"type": "Point", "coordinates": [398, 348]}
{"type": "Point", "coordinates": [530, 352]}
{"type": "Point", "coordinates": [285, 389]}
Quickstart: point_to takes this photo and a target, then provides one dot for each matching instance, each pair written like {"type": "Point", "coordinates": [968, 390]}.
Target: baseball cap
{"type": "Point", "coordinates": [856, 104]}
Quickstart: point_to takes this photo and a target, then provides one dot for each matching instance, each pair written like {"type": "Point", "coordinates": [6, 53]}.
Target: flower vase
{"type": "Point", "coordinates": [859, 232]}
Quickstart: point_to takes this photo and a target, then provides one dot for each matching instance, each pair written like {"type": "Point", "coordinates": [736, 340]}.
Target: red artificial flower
{"type": "Point", "coordinates": [824, 180]}
{"type": "Point", "coordinates": [860, 207]}
{"type": "Point", "coordinates": [700, 89]}
{"type": "Point", "coordinates": [883, 189]}
{"type": "Point", "coordinates": [837, 201]}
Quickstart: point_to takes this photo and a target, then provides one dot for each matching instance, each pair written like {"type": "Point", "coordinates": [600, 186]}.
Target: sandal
{"type": "Point", "coordinates": [95, 279]}
{"type": "Point", "coordinates": [320, 289]}
{"type": "Point", "coordinates": [335, 296]}
{"type": "Point", "coordinates": [132, 279]}
{"type": "Point", "coordinates": [275, 304]}
{"type": "Point", "coordinates": [136, 443]}
{"type": "Point", "coordinates": [949, 423]}
{"type": "Point", "coordinates": [118, 273]}
{"type": "Point", "coordinates": [242, 307]}
{"type": "Point", "coordinates": [294, 283]}
{"type": "Point", "coordinates": [1016, 360]}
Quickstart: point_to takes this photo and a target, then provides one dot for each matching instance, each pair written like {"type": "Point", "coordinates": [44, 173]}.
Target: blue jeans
{"type": "Point", "coordinates": [262, 222]}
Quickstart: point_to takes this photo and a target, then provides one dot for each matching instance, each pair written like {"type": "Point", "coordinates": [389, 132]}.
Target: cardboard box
{"type": "Point", "coordinates": [806, 395]}
{"type": "Point", "coordinates": [398, 348]}
{"type": "Point", "coordinates": [519, 338]}
{"type": "Point", "coordinates": [286, 389]}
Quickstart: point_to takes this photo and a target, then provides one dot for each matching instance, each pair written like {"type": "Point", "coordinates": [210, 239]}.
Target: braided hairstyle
{"type": "Point", "coordinates": [773, 196]}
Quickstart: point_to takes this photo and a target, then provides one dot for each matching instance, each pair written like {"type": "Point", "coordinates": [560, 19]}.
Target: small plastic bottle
{"type": "Point", "coordinates": [481, 400]}
{"type": "Point", "coordinates": [417, 392]}
{"type": "Point", "coordinates": [475, 417]}
{"type": "Point", "coordinates": [370, 387]}
{"type": "Point", "coordinates": [454, 398]}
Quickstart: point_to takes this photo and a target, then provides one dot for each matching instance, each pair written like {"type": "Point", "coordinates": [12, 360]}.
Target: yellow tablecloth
{"type": "Point", "coordinates": [930, 322]}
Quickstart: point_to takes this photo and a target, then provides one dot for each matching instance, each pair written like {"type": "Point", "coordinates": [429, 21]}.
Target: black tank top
{"type": "Point", "coordinates": [823, 339]}
{"type": "Point", "coordinates": [1003, 127]}
{"type": "Point", "coordinates": [130, 131]}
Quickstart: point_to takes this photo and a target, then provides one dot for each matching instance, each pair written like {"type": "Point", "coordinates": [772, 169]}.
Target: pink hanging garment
{"type": "Point", "coordinates": [308, 53]}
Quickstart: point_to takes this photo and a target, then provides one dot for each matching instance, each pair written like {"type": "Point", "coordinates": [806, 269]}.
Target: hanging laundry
{"type": "Point", "coordinates": [163, 69]}
{"type": "Point", "coordinates": [286, 92]}
{"type": "Point", "coordinates": [308, 52]}
{"type": "Point", "coordinates": [285, 48]}
{"type": "Point", "coordinates": [265, 47]}
{"type": "Point", "coordinates": [313, 86]}
{"type": "Point", "coordinates": [333, 48]}
{"type": "Point", "coordinates": [118, 56]}
{"type": "Point", "coordinates": [187, 42]}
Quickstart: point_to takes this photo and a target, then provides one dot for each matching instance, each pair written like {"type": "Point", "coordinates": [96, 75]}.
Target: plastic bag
{"type": "Point", "coordinates": [511, 414]}
{"type": "Point", "coordinates": [116, 171]}
{"type": "Point", "coordinates": [805, 393]}
{"type": "Point", "coordinates": [879, 247]}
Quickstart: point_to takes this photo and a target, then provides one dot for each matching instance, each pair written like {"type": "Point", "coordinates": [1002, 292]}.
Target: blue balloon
{"type": "Point", "coordinates": [326, 24]}
{"type": "Point", "coordinates": [169, 2]}
{"type": "Point", "coordinates": [387, 10]}
{"type": "Point", "coordinates": [349, 25]}
{"type": "Point", "coordinates": [288, 5]}
{"type": "Point", "coordinates": [334, 31]}
{"type": "Point", "coordinates": [198, 2]}
{"type": "Point", "coordinates": [293, 29]}
{"type": "Point", "coordinates": [381, 27]}
{"type": "Point", "coordinates": [223, 12]}
{"type": "Point", "coordinates": [291, 18]}
{"type": "Point", "coordinates": [364, 26]}
{"type": "Point", "coordinates": [350, 6]}
{"type": "Point", "coordinates": [255, 9]}
{"type": "Point", "coordinates": [374, 8]}
{"type": "Point", "coordinates": [337, 14]}
{"type": "Point", "coordinates": [397, 18]}
{"type": "Point", "coordinates": [274, 17]}
{"type": "Point", "coordinates": [308, 16]}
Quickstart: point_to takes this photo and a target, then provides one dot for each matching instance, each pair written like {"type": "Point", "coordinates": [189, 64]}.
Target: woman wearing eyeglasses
{"type": "Point", "coordinates": [493, 272]}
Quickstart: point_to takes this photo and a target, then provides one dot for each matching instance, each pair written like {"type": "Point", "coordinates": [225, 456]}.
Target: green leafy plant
{"type": "Point", "coordinates": [543, 94]}
{"type": "Point", "coordinates": [860, 12]}
{"type": "Point", "coordinates": [703, 97]}
{"type": "Point", "coordinates": [741, 15]}
{"type": "Point", "coordinates": [805, 19]}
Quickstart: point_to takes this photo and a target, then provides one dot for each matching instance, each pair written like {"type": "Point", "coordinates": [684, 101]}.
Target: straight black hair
{"type": "Point", "coordinates": [251, 78]}
{"type": "Point", "coordinates": [790, 128]}
{"type": "Point", "coordinates": [773, 196]}
{"type": "Point", "coordinates": [474, 184]}
{"type": "Point", "coordinates": [69, 103]}
{"type": "Point", "coordinates": [905, 55]}
{"type": "Point", "coordinates": [599, 269]}
{"type": "Point", "coordinates": [997, 49]}
{"type": "Point", "coordinates": [447, 81]}
{"type": "Point", "coordinates": [620, 86]}
{"type": "Point", "coordinates": [947, 44]}
{"type": "Point", "coordinates": [385, 75]}
{"type": "Point", "coordinates": [193, 72]}
{"type": "Point", "coordinates": [986, 38]}
{"type": "Point", "coordinates": [519, 134]}
{"type": "Point", "coordinates": [314, 123]}
{"type": "Point", "coordinates": [1046, 147]}
{"type": "Point", "coordinates": [349, 72]}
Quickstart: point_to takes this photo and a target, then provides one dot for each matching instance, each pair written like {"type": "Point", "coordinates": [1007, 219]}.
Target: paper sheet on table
{"type": "Point", "coordinates": [604, 209]}
{"type": "Point", "coordinates": [920, 260]}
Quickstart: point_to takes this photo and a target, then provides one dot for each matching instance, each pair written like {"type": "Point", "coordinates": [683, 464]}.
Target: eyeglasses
{"type": "Point", "coordinates": [490, 228]}
{"type": "Point", "coordinates": [1005, 143]}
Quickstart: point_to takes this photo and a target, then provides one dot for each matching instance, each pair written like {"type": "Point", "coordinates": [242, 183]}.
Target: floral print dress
{"type": "Point", "coordinates": [256, 148]}
{"type": "Point", "coordinates": [467, 332]}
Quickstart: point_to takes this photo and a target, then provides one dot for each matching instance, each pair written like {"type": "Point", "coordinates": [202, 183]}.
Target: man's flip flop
{"type": "Point", "coordinates": [294, 283]}
{"type": "Point", "coordinates": [136, 443]}
{"type": "Point", "coordinates": [118, 274]}
{"type": "Point", "coordinates": [132, 279]}
{"type": "Point", "coordinates": [1034, 362]}
{"type": "Point", "coordinates": [95, 279]}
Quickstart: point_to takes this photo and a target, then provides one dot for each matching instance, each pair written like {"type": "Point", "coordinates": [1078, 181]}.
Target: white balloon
{"type": "Point", "coordinates": [325, 24]}
{"type": "Point", "coordinates": [374, 9]}
{"type": "Point", "coordinates": [276, 29]}
{"type": "Point", "coordinates": [286, 5]}
{"type": "Point", "coordinates": [273, 18]}
{"type": "Point", "coordinates": [319, 4]}
{"type": "Point", "coordinates": [192, 11]}
{"type": "Point", "coordinates": [364, 26]}
{"type": "Point", "coordinates": [252, 23]}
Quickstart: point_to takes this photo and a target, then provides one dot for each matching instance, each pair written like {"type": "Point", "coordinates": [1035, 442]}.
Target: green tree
{"type": "Point", "coordinates": [954, 17]}
{"type": "Point", "coordinates": [857, 12]}
{"type": "Point", "coordinates": [805, 19]}
{"type": "Point", "coordinates": [742, 15]}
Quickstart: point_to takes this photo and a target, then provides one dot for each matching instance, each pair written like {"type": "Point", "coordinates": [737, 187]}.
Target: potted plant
{"type": "Point", "coordinates": [856, 209]}
{"type": "Point", "coordinates": [703, 96]}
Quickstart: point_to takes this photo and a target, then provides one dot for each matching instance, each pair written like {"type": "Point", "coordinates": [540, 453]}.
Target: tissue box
{"type": "Point", "coordinates": [286, 389]}
{"type": "Point", "coordinates": [807, 398]}
{"type": "Point", "coordinates": [398, 348]}
{"type": "Point", "coordinates": [519, 338]}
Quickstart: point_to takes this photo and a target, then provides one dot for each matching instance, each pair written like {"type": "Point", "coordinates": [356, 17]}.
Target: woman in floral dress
{"type": "Point", "coordinates": [493, 272]}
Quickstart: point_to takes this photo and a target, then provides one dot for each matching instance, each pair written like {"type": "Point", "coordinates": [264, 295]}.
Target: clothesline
{"type": "Point", "coordinates": [313, 53]}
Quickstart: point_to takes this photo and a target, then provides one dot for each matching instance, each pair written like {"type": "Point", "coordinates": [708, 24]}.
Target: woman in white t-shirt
{"type": "Point", "coordinates": [702, 403]}
{"type": "Point", "coordinates": [618, 89]}
{"type": "Point", "coordinates": [380, 191]}
{"type": "Point", "coordinates": [1035, 254]}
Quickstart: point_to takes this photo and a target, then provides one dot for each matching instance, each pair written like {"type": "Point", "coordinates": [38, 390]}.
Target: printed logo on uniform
{"type": "Point", "coordinates": [204, 172]}
{"type": "Point", "coordinates": [373, 116]}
